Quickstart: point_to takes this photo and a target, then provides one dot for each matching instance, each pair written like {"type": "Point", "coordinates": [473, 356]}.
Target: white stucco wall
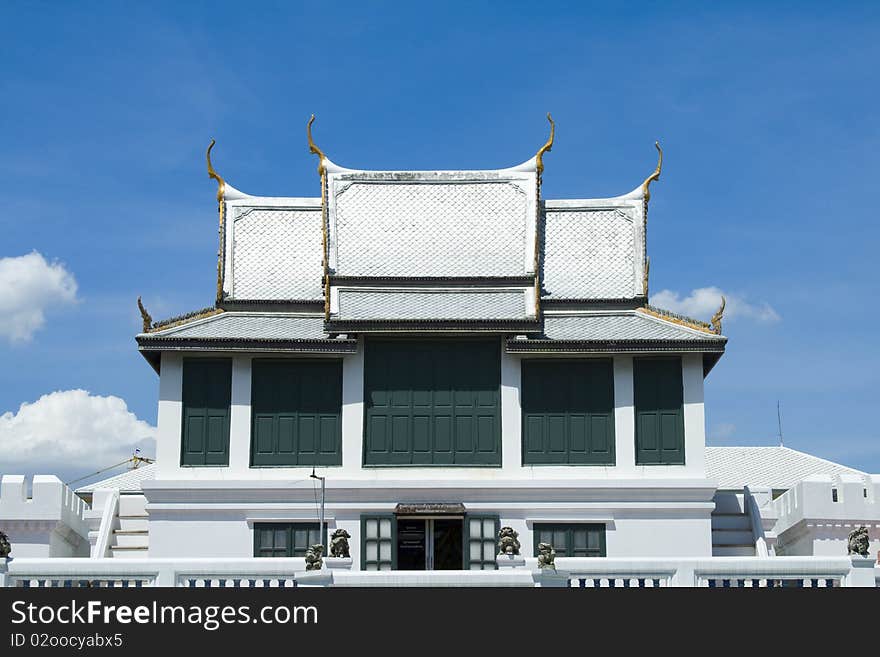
{"type": "Point", "coordinates": [48, 523]}
{"type": "Point", "coordinates": [811, 522]}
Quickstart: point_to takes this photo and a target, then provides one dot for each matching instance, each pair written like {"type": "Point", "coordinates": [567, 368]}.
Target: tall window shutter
{"type": "Point", "coordinates": [481, 541]}
{"type": "Point", "coordinates": [659, 408]}
{"type": "Point", "coordinates": [207, 391]}
{"type": "Point", "coordinates": [379, 542]}
{"type": "Point", "coordinates": [296, 408]}
{"type": "Point", "coordinates": [568, 412]}
{"type": "Point", "coordinates": [432, 402]}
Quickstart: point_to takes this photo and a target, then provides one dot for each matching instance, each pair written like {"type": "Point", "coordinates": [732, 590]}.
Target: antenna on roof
{"type": "Point", "coordinates": [779, 423]}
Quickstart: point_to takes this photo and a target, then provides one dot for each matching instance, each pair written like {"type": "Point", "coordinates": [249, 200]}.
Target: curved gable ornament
{"type": "Point", "coordinates": [313, 148]}
{"type": "Point", "coordinates": [212, 173]}
{"type": "Point", "coordinates": [646, 186]}
{"type": "Point", "coordinates": [546, 148]}
{"type": "Point", "coordinates": [716, 318]}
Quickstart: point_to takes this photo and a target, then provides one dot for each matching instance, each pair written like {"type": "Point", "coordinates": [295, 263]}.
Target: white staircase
{"type": "Point", "coordinates": [131, 536]}
{"type": "Point", "coordinates": [731, 526]}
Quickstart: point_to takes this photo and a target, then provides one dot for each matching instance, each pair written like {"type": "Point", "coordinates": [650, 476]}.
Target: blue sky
{"type": "Point", "coordinates": [767, 116]}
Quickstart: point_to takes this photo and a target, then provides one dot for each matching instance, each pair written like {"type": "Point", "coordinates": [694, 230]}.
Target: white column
{"type": "Point", "coordinates": [511, 423]}
{"type": "Point", "coordinates": [170, 416]}
{"type": "Point", "coordinates": [353, 410]}
{"type": "Point", "coordinates": [240, 417]}
{"type": "Point", "coordinates": [624, 415]}
{"type": "Point", "coordinates": [694, 418]}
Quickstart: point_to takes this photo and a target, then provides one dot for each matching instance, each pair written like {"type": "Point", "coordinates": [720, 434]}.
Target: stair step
{"type": "Point", "coordinates": [135, 540]}
{"type": "Point", "coordinates": [128, 553]}
{"type": "Point", "coordinates": [733, 551]}
{"type": "Point", "coordinates": [732, 537]}
{"type": "Point", "coordinates": [740, 522]}
{"type": "Point", "coordinates": [134, 524]}
{"type": "Point", "coordinates": [729, 503]}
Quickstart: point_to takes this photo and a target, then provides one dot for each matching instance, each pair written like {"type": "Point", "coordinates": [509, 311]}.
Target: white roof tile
{"type": "Point", "coordinates": [395, 304]}
{"type": "Point", "coordinates": [770, 467]}
{"type": "Point", "coordinates": [249, 326]}
{"type": "Point", "coordinates": [127, 482]}
{"type": "Point", "coordinates": [276, 253]}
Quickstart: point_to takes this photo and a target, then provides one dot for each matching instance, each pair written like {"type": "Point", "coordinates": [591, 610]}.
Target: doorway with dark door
{"type": "Point", "coordinates": [430, 543]}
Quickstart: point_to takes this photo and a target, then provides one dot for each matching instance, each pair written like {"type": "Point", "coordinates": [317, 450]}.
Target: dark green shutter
{"type": "Point", "coordinates": [432, 402]}
{"type": "Point", "coordinates": [481, 541]}
{"type": "Point", "coordinates": [285, 539]}
{"type": "Point", "coordinates": [379, 542]}
{"type": "Point", "coordinates": [568, 411]}
{"type": "Point", "coordinates": [207, 390]}
{"type": "Point", "coordinates": [295, 412]}
{"type": "Point", "coordinates": [571, 539]}
{"type": "Point", "coordinates": [659, 411]}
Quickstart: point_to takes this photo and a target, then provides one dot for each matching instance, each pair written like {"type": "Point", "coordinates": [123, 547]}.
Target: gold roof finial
{"type": "Point", "coordinates": [148, 321]}
{"type": "Point", "coordinates": [716, 318]}
{"type": "Point", "coordinates": [221, 184]}
{"type": "Point", "coordinates": [654, 176]}
{"type": "Point", "coordinates": [314, 149]}
{"type": "Point", "coordinates": [546, 147]}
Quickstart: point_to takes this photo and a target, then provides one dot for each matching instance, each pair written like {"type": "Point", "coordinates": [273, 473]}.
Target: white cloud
{"type": "Point", "coordinates": [703, 302]}
{"type": "Point", "coordinates": [722, 431]}
{"type": "Point", "coordinates": [69, 432]}
{"type": "Point", "coordinates": [29, 286]}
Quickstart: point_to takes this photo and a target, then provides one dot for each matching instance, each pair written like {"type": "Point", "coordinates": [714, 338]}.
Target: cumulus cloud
{"type": "Point", "coordinates": [703, 302]}
{"type": "Point", "coordinates": [29, 286]}
{"type": "Point", "coordinates": [71, 432]}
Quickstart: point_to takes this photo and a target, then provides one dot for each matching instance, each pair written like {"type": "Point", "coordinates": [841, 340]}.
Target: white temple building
{"type": "Point", "coordinates": [453, 354]}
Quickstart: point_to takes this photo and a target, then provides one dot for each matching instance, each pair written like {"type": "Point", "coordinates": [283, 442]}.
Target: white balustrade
{"type": "Point", "coordinates": [576, 572]}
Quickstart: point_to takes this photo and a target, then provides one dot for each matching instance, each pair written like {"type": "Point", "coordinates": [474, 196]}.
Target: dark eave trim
{"type": "Point", "coordinates": [272, 305]}
{"type": "Point", "coordinates": [146, 343]}
{"type": "Point", "coordinates": [448, 281]}
{"type": "Point", "coordinates": [408, 325]}
{"type": "Point", "coordinates": [613, 346]}
{"type": "Point", "coordinates": [627, 302]}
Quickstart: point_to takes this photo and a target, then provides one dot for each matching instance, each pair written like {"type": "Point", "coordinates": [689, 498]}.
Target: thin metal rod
{"type": "Point", "coordinates": [323, 489]}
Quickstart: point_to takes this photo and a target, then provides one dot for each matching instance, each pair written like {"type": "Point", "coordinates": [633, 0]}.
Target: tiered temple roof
{"type": "Point", "coordinates": [432, 251]}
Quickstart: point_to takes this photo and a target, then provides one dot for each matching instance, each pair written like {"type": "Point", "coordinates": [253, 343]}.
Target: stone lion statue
{"type": "Point", "coordinates": [508, 541]}
{"type": "Point", "coordinates": [546, 556]}
{"type": "Point", "coordinates": [313, 557]}
{"type": "Point", "coordinates": [339, 544]}
{"type": "Point", "coordinates": [5, 547]}
{"type": "Point", "coordinates": [858, 541]}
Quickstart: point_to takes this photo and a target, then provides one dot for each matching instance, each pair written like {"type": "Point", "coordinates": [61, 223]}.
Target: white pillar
{"type": "Point", "coordinates": [353, 410]}
{"type": "Point", "coordinates": [862, 572]}
{"type": "Point", "coordinates": [694, 418]}
{"type": "Point", "coordinates": [624, 415]}
{"type": "Point", "coordinates": [511, 422]}
{"type": "Point", "coordinates": [240, 416]}
{"type": "Point", "coordinates": [170, 416]}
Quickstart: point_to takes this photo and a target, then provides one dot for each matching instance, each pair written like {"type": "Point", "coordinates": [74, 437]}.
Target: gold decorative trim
{"type": "Point", "coordinates": [647, 271]}
{"type": "Point", "coordinates": [171, 323]}
{"type": "Point", "coordinates": [646, 191]}
{"type": "Point", "coordinates": [676, 319]}
{"type": "Point", "coordinates": [716, 318]}
{"type": "Point", "coordinates": [221, 205]}
{"type": "Point", "coordinates": [322, 172]}
{"type": "Point", "coordinates": [148, 320]}
{"type": "Point", "coordinates": [221, 184]}
{"type": "Point", "coordinates": [314, 149]}
{"type": "Point", "coordinates": [546, 148]}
